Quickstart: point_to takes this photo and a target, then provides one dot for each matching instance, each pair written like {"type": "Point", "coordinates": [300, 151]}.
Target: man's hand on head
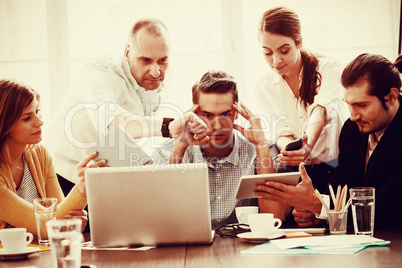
{"type": "Point", "coordinates": [254, 133]}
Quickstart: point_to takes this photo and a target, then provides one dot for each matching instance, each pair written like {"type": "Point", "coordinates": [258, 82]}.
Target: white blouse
{"type": "Point", "coordinates": [284, 115]}
{"type": "Point", "coordinates": [27, 190]}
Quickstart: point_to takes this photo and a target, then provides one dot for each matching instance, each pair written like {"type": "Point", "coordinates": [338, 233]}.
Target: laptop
{"type": "Point", "coordinates": [120, 150]}
{"type": "Point", "coordinates": [149, 205]}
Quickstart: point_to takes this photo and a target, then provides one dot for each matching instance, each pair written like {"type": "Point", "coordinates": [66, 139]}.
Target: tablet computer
{"type": "Point", "coordinates": [119, 149]}
{"type": "Point", "coordinates": [248, 184]}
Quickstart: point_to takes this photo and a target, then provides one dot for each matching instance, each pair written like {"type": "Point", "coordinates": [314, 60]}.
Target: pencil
{"type": "Point", "coordinates": [338, 193]}
{"type": "Point", "coordinates": [348, 204]}
{"type": "Point", "coordinates": [332, 193]}
{"type": "Point", "coordinates": [344, 196]}
{"type": "Point", "coordinates": [317, 193]}
{"type": "Point", "coordinates": [341, 198]}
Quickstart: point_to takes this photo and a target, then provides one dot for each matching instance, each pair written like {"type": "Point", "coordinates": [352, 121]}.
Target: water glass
{"type": "Point", "coordinates": [363, 207]}
{"type": "Point", "coordinates": [65, 242]}
{"type": "Point", "coordinates": [45, 210]}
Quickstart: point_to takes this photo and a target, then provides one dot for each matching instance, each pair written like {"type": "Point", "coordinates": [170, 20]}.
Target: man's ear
{"type": "Point", "coordinates": [236, 115]}
{"type": "Point", "coordinates": [392, 96]}
{"type": "Point", "coordinates": [127, 53]}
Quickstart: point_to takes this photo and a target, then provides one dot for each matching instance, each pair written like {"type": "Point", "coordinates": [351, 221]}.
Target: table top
{"type": "Point", "coordinates": [225, 252]}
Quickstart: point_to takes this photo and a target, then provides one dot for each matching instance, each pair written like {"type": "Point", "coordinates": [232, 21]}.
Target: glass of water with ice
{"type": "Point", "coordinates": [363, 207]}
{"type": "Point", "coordinates": [65, 242]}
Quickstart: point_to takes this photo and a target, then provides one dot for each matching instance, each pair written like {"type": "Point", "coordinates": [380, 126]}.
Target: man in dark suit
{"type": "Point", "coordinates": [370, 145]}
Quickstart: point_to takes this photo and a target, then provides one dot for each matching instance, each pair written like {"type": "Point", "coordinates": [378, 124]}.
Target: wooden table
{"type": "Point", "coordinates": [225, 252]}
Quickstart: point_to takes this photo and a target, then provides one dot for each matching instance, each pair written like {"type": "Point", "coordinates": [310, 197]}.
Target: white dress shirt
{"type": "Point", "coordinates": [284, 115]}
{"type": "Point", "coordinates": [371, 147]}
{"type": "Point", "coordinates": [104, 90]}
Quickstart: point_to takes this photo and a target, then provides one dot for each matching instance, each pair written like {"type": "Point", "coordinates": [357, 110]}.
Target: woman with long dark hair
{"type": "Point", "coordinates": [300, 97]}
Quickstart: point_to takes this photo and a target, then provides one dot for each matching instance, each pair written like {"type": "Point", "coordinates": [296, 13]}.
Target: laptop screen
{"type": "Point", "coordinates": [149, 205]}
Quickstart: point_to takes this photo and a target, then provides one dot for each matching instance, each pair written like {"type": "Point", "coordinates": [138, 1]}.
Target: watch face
{"type": "Point", "coordinates": [165, 127]}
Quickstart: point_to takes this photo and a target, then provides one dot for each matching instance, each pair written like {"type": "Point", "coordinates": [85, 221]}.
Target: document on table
{"type": "Point", "coordinates": [322, 245]}
{"type": "Point", "coordinates": [307, 230]}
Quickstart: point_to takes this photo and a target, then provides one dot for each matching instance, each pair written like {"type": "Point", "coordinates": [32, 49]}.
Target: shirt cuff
{"type": "Point", "coordinates": [323, 214]}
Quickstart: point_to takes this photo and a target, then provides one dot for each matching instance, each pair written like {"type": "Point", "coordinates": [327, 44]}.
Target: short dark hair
{"type": "Point", "coordinates": [378, 71]}
{"type": "Point", "coordinates": [215, 82]}
{"type": "Point", "coordinates": [398, 63]}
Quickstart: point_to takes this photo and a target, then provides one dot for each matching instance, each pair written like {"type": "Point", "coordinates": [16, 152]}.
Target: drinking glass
{"type": "Point", "coordinates": [45, 210]}
{"type": "Point", "coordinates": [363, 207]}
{"type": "Point", "coordinates": [65, 242]}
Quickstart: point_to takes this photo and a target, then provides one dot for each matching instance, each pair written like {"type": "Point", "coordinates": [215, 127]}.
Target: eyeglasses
{"type": "Point", "coordinates": [232, 230]}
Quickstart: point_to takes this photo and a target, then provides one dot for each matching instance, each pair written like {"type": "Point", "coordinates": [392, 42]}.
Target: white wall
{"type": "Point", "coordinates": [44, 43]}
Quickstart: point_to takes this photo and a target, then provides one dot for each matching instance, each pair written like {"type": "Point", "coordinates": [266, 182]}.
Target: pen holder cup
{"type": "Point", "coordinates": [337, 221]}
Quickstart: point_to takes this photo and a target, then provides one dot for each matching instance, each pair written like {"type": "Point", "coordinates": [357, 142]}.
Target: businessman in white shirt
{"type": "Point", "coordinates": [111, 93]}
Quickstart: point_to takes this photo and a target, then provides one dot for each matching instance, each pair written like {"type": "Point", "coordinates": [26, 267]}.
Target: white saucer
{"type": "Point", "coordinates": [17, 255]}
{"type": "Point", "coordinates": [252, 238]}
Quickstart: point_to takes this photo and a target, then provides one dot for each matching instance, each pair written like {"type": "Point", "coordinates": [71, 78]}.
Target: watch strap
{"type": "Point", "coordinates": [165, 127]}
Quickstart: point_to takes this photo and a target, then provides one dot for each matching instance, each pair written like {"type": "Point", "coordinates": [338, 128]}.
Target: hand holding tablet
{"type": "Point", "coordinates": [248, 184]}
{"type": "Point", "coordinates": [119, 149]}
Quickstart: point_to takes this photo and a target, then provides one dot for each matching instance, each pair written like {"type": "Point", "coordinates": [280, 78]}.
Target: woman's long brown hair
{"type": "Point", "coordinates": [14, 98]}
{"type": "Point", "coordinates": [284, 21]}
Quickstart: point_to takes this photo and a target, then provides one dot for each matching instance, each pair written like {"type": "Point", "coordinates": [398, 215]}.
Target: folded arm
{"type": "Point", "coordinates": [316, 123]}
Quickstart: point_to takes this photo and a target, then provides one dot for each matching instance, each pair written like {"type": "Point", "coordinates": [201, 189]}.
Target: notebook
{"type": "Point", "coordinates": [149, 205]}
{"type": "Point", "coordinates": [120, 150]}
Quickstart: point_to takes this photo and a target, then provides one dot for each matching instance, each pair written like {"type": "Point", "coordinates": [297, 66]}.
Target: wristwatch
{"type": "Point", "coordinates": [165, 127]}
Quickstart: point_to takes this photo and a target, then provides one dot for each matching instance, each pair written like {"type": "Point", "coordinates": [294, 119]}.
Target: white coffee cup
{"type": "Point", "coordinates": [263, 224]}
{"type": "Point", "coordinates": [15, 239]}
{"type": "Point", "coordinates": [243, 212]}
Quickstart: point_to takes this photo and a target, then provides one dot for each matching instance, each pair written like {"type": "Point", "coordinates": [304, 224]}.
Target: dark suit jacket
{"type": "Point", "coordinates": [384, 169]}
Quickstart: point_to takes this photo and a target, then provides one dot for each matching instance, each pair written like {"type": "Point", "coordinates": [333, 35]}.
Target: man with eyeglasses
{"type": "Point", "coordinates": [228, 153]}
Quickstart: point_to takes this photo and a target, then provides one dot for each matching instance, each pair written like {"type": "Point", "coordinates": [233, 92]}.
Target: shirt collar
{"type": "Point", "coordinates": [276, 78]}
{"type": "Point", "coordinates": [371, 143]}
{"type": "Point", "coordinates": [232, 158]}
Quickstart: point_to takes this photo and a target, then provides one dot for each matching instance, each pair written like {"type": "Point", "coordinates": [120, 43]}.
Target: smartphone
{"type": "Point", "coordinates": [294, 145]}
{"type": "Point", "coordinates": [291, 146]}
